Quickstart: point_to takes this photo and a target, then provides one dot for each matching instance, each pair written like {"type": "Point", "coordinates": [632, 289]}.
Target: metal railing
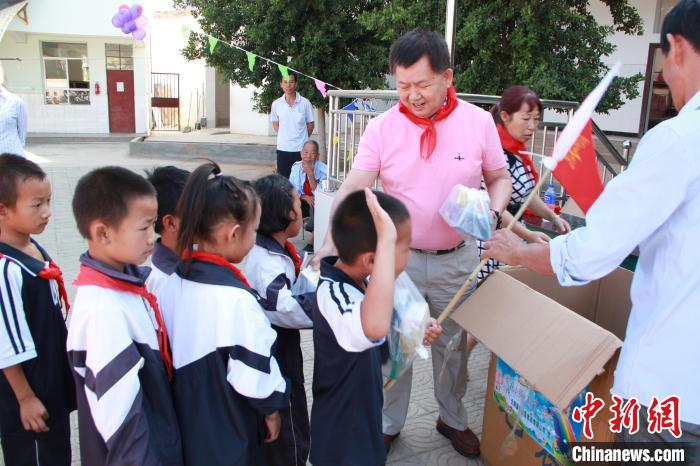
{"type": "Point", "coordinates": [350, 111]}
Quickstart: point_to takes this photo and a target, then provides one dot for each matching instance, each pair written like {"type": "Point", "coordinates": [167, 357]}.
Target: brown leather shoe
{"type": "Point", "coordinates": [388, 440]}
{"type": "Point", "coordinates": [465, 442]}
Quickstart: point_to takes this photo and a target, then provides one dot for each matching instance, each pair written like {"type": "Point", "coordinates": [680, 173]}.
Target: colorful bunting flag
{"type": "Point", "coordinates": [212, 44]}
{"type": "Point", "coordinates": [285, 72]}
{"type": "Point", "coordinates": [251, 60]}
{"type": "Point", "coordinates": [321, 86]}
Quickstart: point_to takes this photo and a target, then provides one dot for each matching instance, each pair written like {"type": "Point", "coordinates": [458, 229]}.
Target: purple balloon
{"type": "Point", "coordinates": [125, 28]}
{"type": "Point", "coordinates": [132, 26]}
{"type": "Point", "coordinates": [141, 22]}
{"type": "Point", "coordinates": [139, 34]}
{"type": "Point", "coordinates": [125, 15]}
{"type": "Point", "coordinates": [117, 21]}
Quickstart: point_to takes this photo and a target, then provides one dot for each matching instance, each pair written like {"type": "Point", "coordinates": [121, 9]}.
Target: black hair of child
{"type": "Point", "coordinates": [169, 182]}
{"type": "Point", "coordinates": [14, 170]}
{"type": "Point", "coordinates": [352, 227]}
{"type": "Point", "coordinates": [104, 194]}
{"type": "Point", "coordinates": [276, 203]}
{"type": "Point", "coordinates": [210, 197]}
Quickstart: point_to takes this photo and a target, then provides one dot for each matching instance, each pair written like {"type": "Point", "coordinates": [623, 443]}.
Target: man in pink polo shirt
{"type": "Point", "coordinates": [419, 149]}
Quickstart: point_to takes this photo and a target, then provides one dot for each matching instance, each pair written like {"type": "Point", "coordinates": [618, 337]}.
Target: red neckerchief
{"type": "Point", "coordinates": [218, 260]}
{"type": "Point", "coordinates": [515, 147]}
{"type": "Point", "coordinates": [90, 276]}
{"type": "Point", "coordinates": [295, 257]}
{"type": "Point", "coordinates": [52, 272]}
{"type": "Point", "coordinates": [307, 187]}
{"type": "Point", "coordinates": [428, 139]}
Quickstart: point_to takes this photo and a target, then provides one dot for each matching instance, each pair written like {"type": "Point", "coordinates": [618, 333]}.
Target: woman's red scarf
{"type": "Point", "coordinates": [428, 139]}
{"type": "Point", "coordinates": [516, 148]}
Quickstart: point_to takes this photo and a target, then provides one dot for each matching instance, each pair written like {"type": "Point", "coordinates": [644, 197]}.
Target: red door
{"type": "Point", "coordinates": [120, 94]}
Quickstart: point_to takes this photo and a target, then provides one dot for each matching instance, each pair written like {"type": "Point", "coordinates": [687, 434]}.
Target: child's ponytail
{"type": "Point", "coordinates": [207, 200]}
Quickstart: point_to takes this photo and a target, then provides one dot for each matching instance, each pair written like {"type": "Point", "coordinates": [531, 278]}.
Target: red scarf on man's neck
{"type": "Point", "coordinates": [218, 260]}
{"type": "Point", "coordinates": [90, 276]}
{"type": "Point", "coordinates": [428, 139]}
{"type": "Point", "coordinates": [52, 272]}
{"type": "Point", "coordinates": [516, 148]}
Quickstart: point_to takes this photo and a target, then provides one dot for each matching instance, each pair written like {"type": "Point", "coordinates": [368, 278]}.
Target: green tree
{"type": "Point", "coordinates": [322, 38]}
{"type": "Point", "coordinates": [553, 46]}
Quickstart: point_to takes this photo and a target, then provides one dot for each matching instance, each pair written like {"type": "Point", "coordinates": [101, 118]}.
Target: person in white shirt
{"type": "Point", "coordinates": [655, 205]}
{"type": "Point", "coordinates": [13, 121]}
{"type": "Point", "coordinates": [293, 120]}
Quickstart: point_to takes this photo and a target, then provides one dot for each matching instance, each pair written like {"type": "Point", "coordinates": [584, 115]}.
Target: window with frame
{"type": "Point", "coordinates": [66, 73]}
{"type": "Point", "coordinates": [119, 56]}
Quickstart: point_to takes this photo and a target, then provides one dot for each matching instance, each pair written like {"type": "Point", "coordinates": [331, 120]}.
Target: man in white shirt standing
{"type": "Point", "coordinates": [654, 204]}
{"type": "Point", "coordinates": [293, 120]}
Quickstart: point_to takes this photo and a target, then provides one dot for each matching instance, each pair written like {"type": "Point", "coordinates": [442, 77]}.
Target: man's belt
{"type": "Point", "coordinates": [439, 252]}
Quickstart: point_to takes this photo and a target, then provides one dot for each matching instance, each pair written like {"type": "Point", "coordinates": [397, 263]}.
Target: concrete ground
{"type": "Point", "coordinates": [419, 443]}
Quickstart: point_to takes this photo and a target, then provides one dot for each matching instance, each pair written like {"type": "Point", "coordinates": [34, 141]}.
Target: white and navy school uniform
{"type": "Point", "coordinates": [33, 335]}
{"type": "Point", "coordinates": [346, 417]}
{"type": "Point", "coordinates": [226, 379]}
{"type": "Point", "coordinates": [163, 262]}
{"type": "Point", "coordinates": [271, 273]}
{"type": "Point", "coordinates": [125, 405]}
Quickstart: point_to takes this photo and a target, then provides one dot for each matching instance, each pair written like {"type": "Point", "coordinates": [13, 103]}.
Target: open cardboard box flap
{"type": "Point", "coordinates": [526, 320]}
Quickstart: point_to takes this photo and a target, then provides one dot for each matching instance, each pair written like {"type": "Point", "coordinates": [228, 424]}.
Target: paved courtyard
{"type": "Point", "coordinates": [419, 442]}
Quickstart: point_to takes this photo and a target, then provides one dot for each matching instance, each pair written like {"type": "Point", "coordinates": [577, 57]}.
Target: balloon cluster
{"type": "Point", "coordinates": [130, 21]}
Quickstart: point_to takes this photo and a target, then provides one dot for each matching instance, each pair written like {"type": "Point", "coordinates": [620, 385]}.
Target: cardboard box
{"type": "Point", "coordinates": [550, 346]}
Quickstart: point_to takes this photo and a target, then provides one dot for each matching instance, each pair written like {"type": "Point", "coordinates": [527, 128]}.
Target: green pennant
{"type": "Point", "coordinates": [212, 44]}
{"type": "Point", "coordinates": [251, 60]}
{"type": "Point", "coordinates": [185, 31]}
{"type": "Point", "coordinates": [284, 71]}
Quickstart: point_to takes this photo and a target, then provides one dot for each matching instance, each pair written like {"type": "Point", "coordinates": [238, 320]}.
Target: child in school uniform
{"type": "Point", "coordinates": [169, 182]}
{"type": "Point", "coordinates": [272, 267]}
{"type": "Point", "coordinates": [36, 386]}
{"type": "Point", "coordinates": [372, 233]}
{"type": "Point", "coordinates": [117, 343]}
{"type": "Point", "coordinates": [228, 387]}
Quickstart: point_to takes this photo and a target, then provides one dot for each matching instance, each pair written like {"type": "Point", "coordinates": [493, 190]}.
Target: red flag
{"type": "Point", "coordinates": [578, 172]}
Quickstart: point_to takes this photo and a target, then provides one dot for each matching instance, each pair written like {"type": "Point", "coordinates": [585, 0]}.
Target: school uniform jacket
{"type": "Point", "coordinates": [226, 379]}
{"type": "Point", "coordinates": [33, 334]}
{"type": "Point", "coordinates": [270, 271]}
{"type": "Point", "coordinates": [346, 417]}
{"type": "Point", "coordinates": [163, 262]}
{"type": "Point", "coordinates": [125, 403]}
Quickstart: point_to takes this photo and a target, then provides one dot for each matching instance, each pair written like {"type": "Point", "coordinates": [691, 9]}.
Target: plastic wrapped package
{"type": "Point", "coordinates": [409, 321]}
{"type": "Point", "coordinates": [467, 210]}
{"type": "Point", "coordinates": [307, 281]}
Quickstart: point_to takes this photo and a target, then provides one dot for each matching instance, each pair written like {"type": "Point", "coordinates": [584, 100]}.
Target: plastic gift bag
{"type": "Point", "coordinates": [307, 282]}
{"type": "Point", "coordinates": [467, 210]}
{"type": "Point", "coordinates": [408, 324]}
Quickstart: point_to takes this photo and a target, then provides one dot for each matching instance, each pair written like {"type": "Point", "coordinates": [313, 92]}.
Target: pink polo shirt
{"type": "Point", "coordinates": [467, 144]}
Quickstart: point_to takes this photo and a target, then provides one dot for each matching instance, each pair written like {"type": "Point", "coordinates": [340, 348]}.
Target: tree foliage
{"type": "Point", "coordinates": [553, 46]}
{"type": "Point", "coordinates": [322, 38]}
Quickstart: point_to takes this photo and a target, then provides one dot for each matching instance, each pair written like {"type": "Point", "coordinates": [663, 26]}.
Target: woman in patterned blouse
{"type": "Point", "coordinates": [517, 116]}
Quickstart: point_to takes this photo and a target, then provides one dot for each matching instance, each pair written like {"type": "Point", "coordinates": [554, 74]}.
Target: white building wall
{"type": "Point", "coordinates": [165, 43]}
{"type": "Point", "coordinates": [26, 79]}
{"type": "Point", "coordinates": [632, 51]}
{"type": "Point", "coordinates": [245, 120]}
{"type": "Point", "coordinates": [70, 21]}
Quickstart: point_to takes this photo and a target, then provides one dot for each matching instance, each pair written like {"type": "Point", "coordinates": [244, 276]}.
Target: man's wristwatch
{"type": "Point", "coordinates": [499, 218]}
